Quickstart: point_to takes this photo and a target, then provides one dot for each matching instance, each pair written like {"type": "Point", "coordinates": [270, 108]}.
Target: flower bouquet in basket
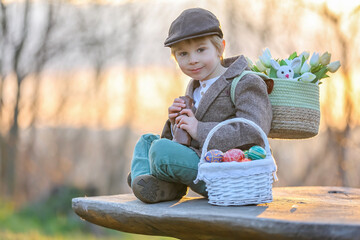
{"type": "Point", "coordinates": [295, 96]}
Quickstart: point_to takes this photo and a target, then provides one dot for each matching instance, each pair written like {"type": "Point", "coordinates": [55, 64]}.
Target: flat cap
{"type": "Point", "coordinates": [193, 23]}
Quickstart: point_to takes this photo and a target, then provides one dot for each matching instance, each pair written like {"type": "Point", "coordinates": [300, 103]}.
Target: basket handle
{"type": "Point", "coordinates": [233, 120]}
{"type": "Point", "coordinates": [237, 79]}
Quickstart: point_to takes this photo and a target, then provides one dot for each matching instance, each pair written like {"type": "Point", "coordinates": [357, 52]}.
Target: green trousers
{"type": "Point", "coordinates": [166, 160]}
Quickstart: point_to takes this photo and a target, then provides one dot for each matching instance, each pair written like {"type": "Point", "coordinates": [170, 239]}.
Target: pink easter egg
{"type": "Point", "coordinates": [234, 155]}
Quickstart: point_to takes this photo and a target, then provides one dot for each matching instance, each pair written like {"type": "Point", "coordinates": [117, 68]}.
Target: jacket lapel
{"type": "Point", "coordinates": [190, 91]}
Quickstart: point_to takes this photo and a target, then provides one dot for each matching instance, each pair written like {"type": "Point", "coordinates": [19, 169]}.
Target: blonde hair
{"type": "Point", "coordinates": [214, 39]}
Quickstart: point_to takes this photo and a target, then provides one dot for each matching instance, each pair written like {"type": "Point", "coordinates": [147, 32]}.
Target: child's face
{"type": "Point", "coordinates": [198, 59]}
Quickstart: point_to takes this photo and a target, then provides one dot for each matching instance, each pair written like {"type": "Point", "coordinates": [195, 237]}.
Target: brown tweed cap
{"type": "Point", "coordinates": [193, 23]}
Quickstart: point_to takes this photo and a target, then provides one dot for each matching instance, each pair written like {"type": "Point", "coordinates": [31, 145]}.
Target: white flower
{"type": "Point", "coordinates": [325, 58]}
{"type": "Point", "coordinates": [305, 68]}
{"type": "Point", "coordinates": [249, 62]}
{"type": "Point", "coordinates": [260, 66]}
{"type": "Point", "coordinates": [267, 72]}
{"type": "Point", "coordinates": [305, 54]}
{"type": "Point", "coordinates": [265, 58]}
{"type": "Point", "coordinates": [314, 60]}
{"type": "Point", "coordinates": [307, 77]}
{"type": "Point", "coordinates": [334, 66]}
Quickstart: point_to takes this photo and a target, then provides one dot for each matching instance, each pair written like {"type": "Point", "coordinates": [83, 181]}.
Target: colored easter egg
{"type": "Point", "coordinates": [246, 153]}
{"type": "Point", "coordinates": [245, 160]}
{"type": "Point", "coordinates": [256, 152]}
{"type": "Point", "coordinates": [214, 156]}
{"type": "Point", "coordinates": [233, 155]}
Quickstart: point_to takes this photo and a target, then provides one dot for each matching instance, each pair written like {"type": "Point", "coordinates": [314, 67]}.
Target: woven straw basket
{"type": "Point", "coordinates": [295, 106]}
{"type": "Point", "coordinates": [296, 109]}
{"type": "Point", "coordinates": [238, 183]}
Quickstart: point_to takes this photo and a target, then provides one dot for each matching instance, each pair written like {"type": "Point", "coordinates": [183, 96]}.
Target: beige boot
{"type": "Point", "coordinates": [149, 189]}
{"type": "Point", "coordinates": [129, 179]}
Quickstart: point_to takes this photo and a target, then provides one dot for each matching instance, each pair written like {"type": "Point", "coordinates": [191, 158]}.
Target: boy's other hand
{"type": "Point", "coordinates": [175, 108]}
{"type": "Point", "coordinates": [188, 122]}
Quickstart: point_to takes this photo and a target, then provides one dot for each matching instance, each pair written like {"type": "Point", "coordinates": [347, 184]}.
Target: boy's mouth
{"type": "Point", "coordinates": [194, 70]}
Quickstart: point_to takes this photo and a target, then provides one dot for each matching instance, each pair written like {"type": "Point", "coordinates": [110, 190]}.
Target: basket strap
{"type": "Point", "coordinates": [238, 78]}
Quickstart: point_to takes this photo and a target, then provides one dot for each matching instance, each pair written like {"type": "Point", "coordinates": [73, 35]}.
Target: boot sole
{"type": "Point", "coordinates": [149, 189]}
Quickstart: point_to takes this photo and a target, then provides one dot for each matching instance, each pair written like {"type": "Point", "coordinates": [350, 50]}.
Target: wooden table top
{"type": "Point", "coordinates": [295, 213]}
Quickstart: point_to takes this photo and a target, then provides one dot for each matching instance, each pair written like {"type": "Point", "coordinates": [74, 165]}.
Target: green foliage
{"type": "Point", "coordinates": [255, 69]}
{"type": "Point", "coordinates": [35, 235]}
{"type": "Point", "coordinates": [321, 73]}
{"type": "Point", "coordinates": [296, 75]}
{"type": "Point", "coordinates": [303, 59]}
{"type": "Point", "coordinates": [283, 63]}
{"type": "Point", "coordinates": [272, 72]}
{"type": "Point", "coordinates": [54, 213]}
{"type": "Point", "coordinates": [293, 55]}
{"type": "Point", "coordinates": [52, 217]}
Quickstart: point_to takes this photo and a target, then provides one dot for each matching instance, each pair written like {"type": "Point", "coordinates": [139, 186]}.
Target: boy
{"type": "Point", "coordinates": [162, 169]}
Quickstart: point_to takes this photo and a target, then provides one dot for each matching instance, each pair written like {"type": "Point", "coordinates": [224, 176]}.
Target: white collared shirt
{"type": "Point", "coordinates": [200, 91]}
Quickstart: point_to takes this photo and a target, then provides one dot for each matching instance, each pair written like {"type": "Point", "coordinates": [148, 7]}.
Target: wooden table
{"type": "Point", "coordinates": [295, 213]}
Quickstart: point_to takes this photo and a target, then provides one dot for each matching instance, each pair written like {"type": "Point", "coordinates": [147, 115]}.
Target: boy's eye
{"type": "Point", "coordinates": [201, 50]}
{"type": "Point", "coordinates": [182, 54]}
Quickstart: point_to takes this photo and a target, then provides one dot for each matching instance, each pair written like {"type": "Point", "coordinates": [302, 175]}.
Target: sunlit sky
{"type": "Point", "coordinates": [338, 5]}
{"type": "Point", "coordinates": [334, 5]}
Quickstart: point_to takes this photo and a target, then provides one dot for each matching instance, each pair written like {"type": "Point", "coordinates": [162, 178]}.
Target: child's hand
{"type": "Point", "coordinates": [188, 122]}
{"type": "Point", "coordinates": [175, 108]}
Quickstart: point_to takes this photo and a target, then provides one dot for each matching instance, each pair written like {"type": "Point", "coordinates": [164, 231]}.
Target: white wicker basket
{"type": "Point", "coordinates": [238, 183]}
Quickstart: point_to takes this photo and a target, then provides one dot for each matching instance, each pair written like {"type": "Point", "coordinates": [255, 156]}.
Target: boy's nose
{"type": "Point", "coordinates": [193, 59]}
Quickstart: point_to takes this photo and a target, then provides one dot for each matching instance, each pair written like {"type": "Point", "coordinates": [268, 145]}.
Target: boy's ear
{"type": "Point", "coordinates": [222, 48]}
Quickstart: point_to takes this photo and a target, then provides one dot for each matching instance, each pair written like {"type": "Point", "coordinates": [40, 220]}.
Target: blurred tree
{"type": "Point", "coordinates": [21, 43]}
{"type": "Point", "coordinates": [14, 43]}
{"type": "Point", "coordinates": [3, 33]}
{"type": "Point", "coordinates": [136, 17]}
{"type": "Point", "coordinates": [100, 39]}
{"type": "Point", "coordinates": [338, 130]}
{"type": "Point", "coordinates": [41, 56]}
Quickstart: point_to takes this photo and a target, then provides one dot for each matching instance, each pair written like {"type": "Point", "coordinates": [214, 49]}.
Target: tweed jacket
{"type": "Point", "coordinates": [251, 102]}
